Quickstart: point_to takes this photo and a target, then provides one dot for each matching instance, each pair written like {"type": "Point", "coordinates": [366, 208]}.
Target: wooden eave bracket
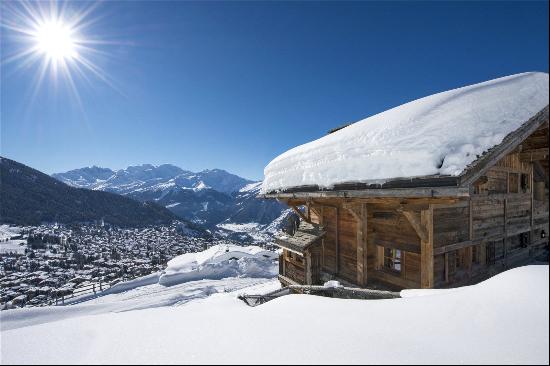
{"type": "Point", "coordinates": [415, 221]}
{"type": "Point", "coordinates": [354, 209]}
{"type": "Point", "coordinates": [300, 213]}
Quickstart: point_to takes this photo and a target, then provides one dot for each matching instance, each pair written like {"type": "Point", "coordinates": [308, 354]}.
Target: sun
{"type": "Point", "coordinates": [55, 40]}
{"type": "Point", "coordinates": [60, 40]}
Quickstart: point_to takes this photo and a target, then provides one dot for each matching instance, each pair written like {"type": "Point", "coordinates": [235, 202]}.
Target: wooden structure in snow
{"type": "Point", "coordinates": [427, 232]}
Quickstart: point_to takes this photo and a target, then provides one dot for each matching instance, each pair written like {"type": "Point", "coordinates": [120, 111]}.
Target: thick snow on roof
{"type": "Point", "coordinates": [438, 134]}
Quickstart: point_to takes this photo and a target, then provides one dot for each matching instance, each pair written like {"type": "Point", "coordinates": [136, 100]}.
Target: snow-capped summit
{"type": "Point", "coordinates": [148, 177]}
{"type": "Point", "coordinates": [208, 197]}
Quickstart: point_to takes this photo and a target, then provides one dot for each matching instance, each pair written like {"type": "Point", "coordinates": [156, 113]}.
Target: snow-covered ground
{"type": "Point", "coordinates": [8, 231]}
{"type": "Point", "coordinates": [11, 246]}
{"type": "Point", "coordinates": [502, 320]}
{"type": "Point", "coordinates": [438, 134]}
{"type": "Point", "coordinates": [220, 261]}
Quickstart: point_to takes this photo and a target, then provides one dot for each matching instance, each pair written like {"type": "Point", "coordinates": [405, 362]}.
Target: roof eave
{"type": "Point", "coordinates": [423, 192]}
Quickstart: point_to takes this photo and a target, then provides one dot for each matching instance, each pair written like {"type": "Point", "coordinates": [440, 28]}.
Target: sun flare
{"type": "Point", "coordinates": [56, 41]}
{"type": "Point", "coordinates": [63, 41]}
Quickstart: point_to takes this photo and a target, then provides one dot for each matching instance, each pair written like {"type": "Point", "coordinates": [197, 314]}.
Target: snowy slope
{"type": "Point", "coordinates": [188, 277]}
{"type": "Point", "coordinates": [438, 134]}
{"type": "Point", "coordinates": [501, 321]}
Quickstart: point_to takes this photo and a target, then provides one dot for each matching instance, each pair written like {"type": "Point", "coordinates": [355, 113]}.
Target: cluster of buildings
{"type": "Point", "coordinates": [54, 261]}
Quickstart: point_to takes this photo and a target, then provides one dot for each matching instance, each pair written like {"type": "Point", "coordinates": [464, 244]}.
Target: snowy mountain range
{"type": "Point", "coordinates": [220, 201]}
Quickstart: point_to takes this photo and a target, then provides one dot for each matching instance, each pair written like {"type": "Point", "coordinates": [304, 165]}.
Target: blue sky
{"type": "Point", "coordinates": [233, 84]}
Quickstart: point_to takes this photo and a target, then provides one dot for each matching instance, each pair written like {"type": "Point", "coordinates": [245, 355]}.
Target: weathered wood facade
{"type": "Point", "coordinates": [432, 233]}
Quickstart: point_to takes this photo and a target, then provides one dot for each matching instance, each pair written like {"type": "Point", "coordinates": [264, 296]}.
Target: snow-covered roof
{"type": "Point", "coordinates": [436, 135]}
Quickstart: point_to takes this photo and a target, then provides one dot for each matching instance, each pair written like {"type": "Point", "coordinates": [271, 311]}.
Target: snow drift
{"type": "Point", "coordinates": [220, 261]}
{"type": "Point", "coordinates": [438, 134]}
{"type": "Point", "coordinates": [503, 320]}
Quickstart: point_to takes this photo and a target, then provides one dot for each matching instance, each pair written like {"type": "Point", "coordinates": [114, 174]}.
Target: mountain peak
{"type": "Point", "coordinates": [149, 177]}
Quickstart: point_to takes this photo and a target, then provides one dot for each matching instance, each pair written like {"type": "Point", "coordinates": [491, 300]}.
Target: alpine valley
{"type": "Point", "coordinates": [223, 203]}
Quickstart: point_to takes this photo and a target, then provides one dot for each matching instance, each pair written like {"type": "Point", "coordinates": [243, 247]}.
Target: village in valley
{"type": "Point", "coordinates": [48, 264]}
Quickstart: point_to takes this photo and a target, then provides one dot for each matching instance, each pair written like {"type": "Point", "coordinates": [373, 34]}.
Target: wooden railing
{"type": "Point", "coordinates": [89, 288]}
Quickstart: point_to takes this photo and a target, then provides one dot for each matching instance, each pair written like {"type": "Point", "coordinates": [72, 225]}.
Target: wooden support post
{"type": "Point", "coordinates": [307, 264]}
{"type": "Point", "coordinates": [505, 232]}
{"type": "Point", "coordinates": [446, 267]}
{"type": "Point", "coordinates": [532, 218]}
{"type": "Point", "coordinates": [359, 214]}
{"type": "Point", "coordinates": [321, 222]}
{"type": "Point", "coordinates": [337, 242]}
{"type": "Point", "coordinates": [471, 236]}
{"type": "Point", "coordinates": [379, 257]}
{"type": "Point", "coordinates": [427, 250]}
{"type": "Point", "coordinates": [364, 242]}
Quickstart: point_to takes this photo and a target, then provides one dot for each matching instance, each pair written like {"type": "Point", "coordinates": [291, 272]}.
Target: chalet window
{"type": "Point", "coordinates": [513, 183]}
{"type": "Point", "coordinates": [393, 259]}
{"type": "Point", "coordinates": [525, 183]}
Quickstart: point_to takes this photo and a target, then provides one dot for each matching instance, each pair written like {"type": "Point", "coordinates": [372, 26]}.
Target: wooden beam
{"type": "Point", "coordinates": [359, 214]}
{"type": "Point", "coordinates": [300, 213]}
{"type": "Point", "coordinates": [539, 170]}
{"type": "Point", "coordinates": [336, 239]}
{"type": "Point", "coordinates": [379, 257]}
{"type": "Point", "coordinates": [434, 192]}
{"type": "Point", "coordinates": [361, 269]}
{"type": "Point", "coordinates": [505, 230]}
{"type": "Point", "coordinates": [455, 246]}
{"type": "Point", "coordinates": [364, 242]}
{"type": "Point", "coordinates": [307, 263]}
{"type": "Point", "coordinates": [321, 222]}
{"type": "Point", "coordinates": [415, 221]}
{"type": "Point", "coordinates": [427, 250]}
{"type": "Point", "coordinates": [354, 210]}
{"type": "Point", "coordinates": [316, 211]}
{"type": "Point", "coordinates": [446, 257]}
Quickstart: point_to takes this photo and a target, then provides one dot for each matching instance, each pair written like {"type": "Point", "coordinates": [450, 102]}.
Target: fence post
{"type": "Point", "coordinates": [94, 288]}
{"type": "Point", "coordinates": [100, 287]}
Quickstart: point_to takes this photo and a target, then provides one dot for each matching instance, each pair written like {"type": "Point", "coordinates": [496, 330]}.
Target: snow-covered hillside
{"type": "Point", "coordinates": [503, 320]}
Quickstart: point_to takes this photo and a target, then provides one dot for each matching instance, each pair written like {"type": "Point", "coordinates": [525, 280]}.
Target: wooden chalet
{"type": "Point", "coordinates": [431, 232]}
